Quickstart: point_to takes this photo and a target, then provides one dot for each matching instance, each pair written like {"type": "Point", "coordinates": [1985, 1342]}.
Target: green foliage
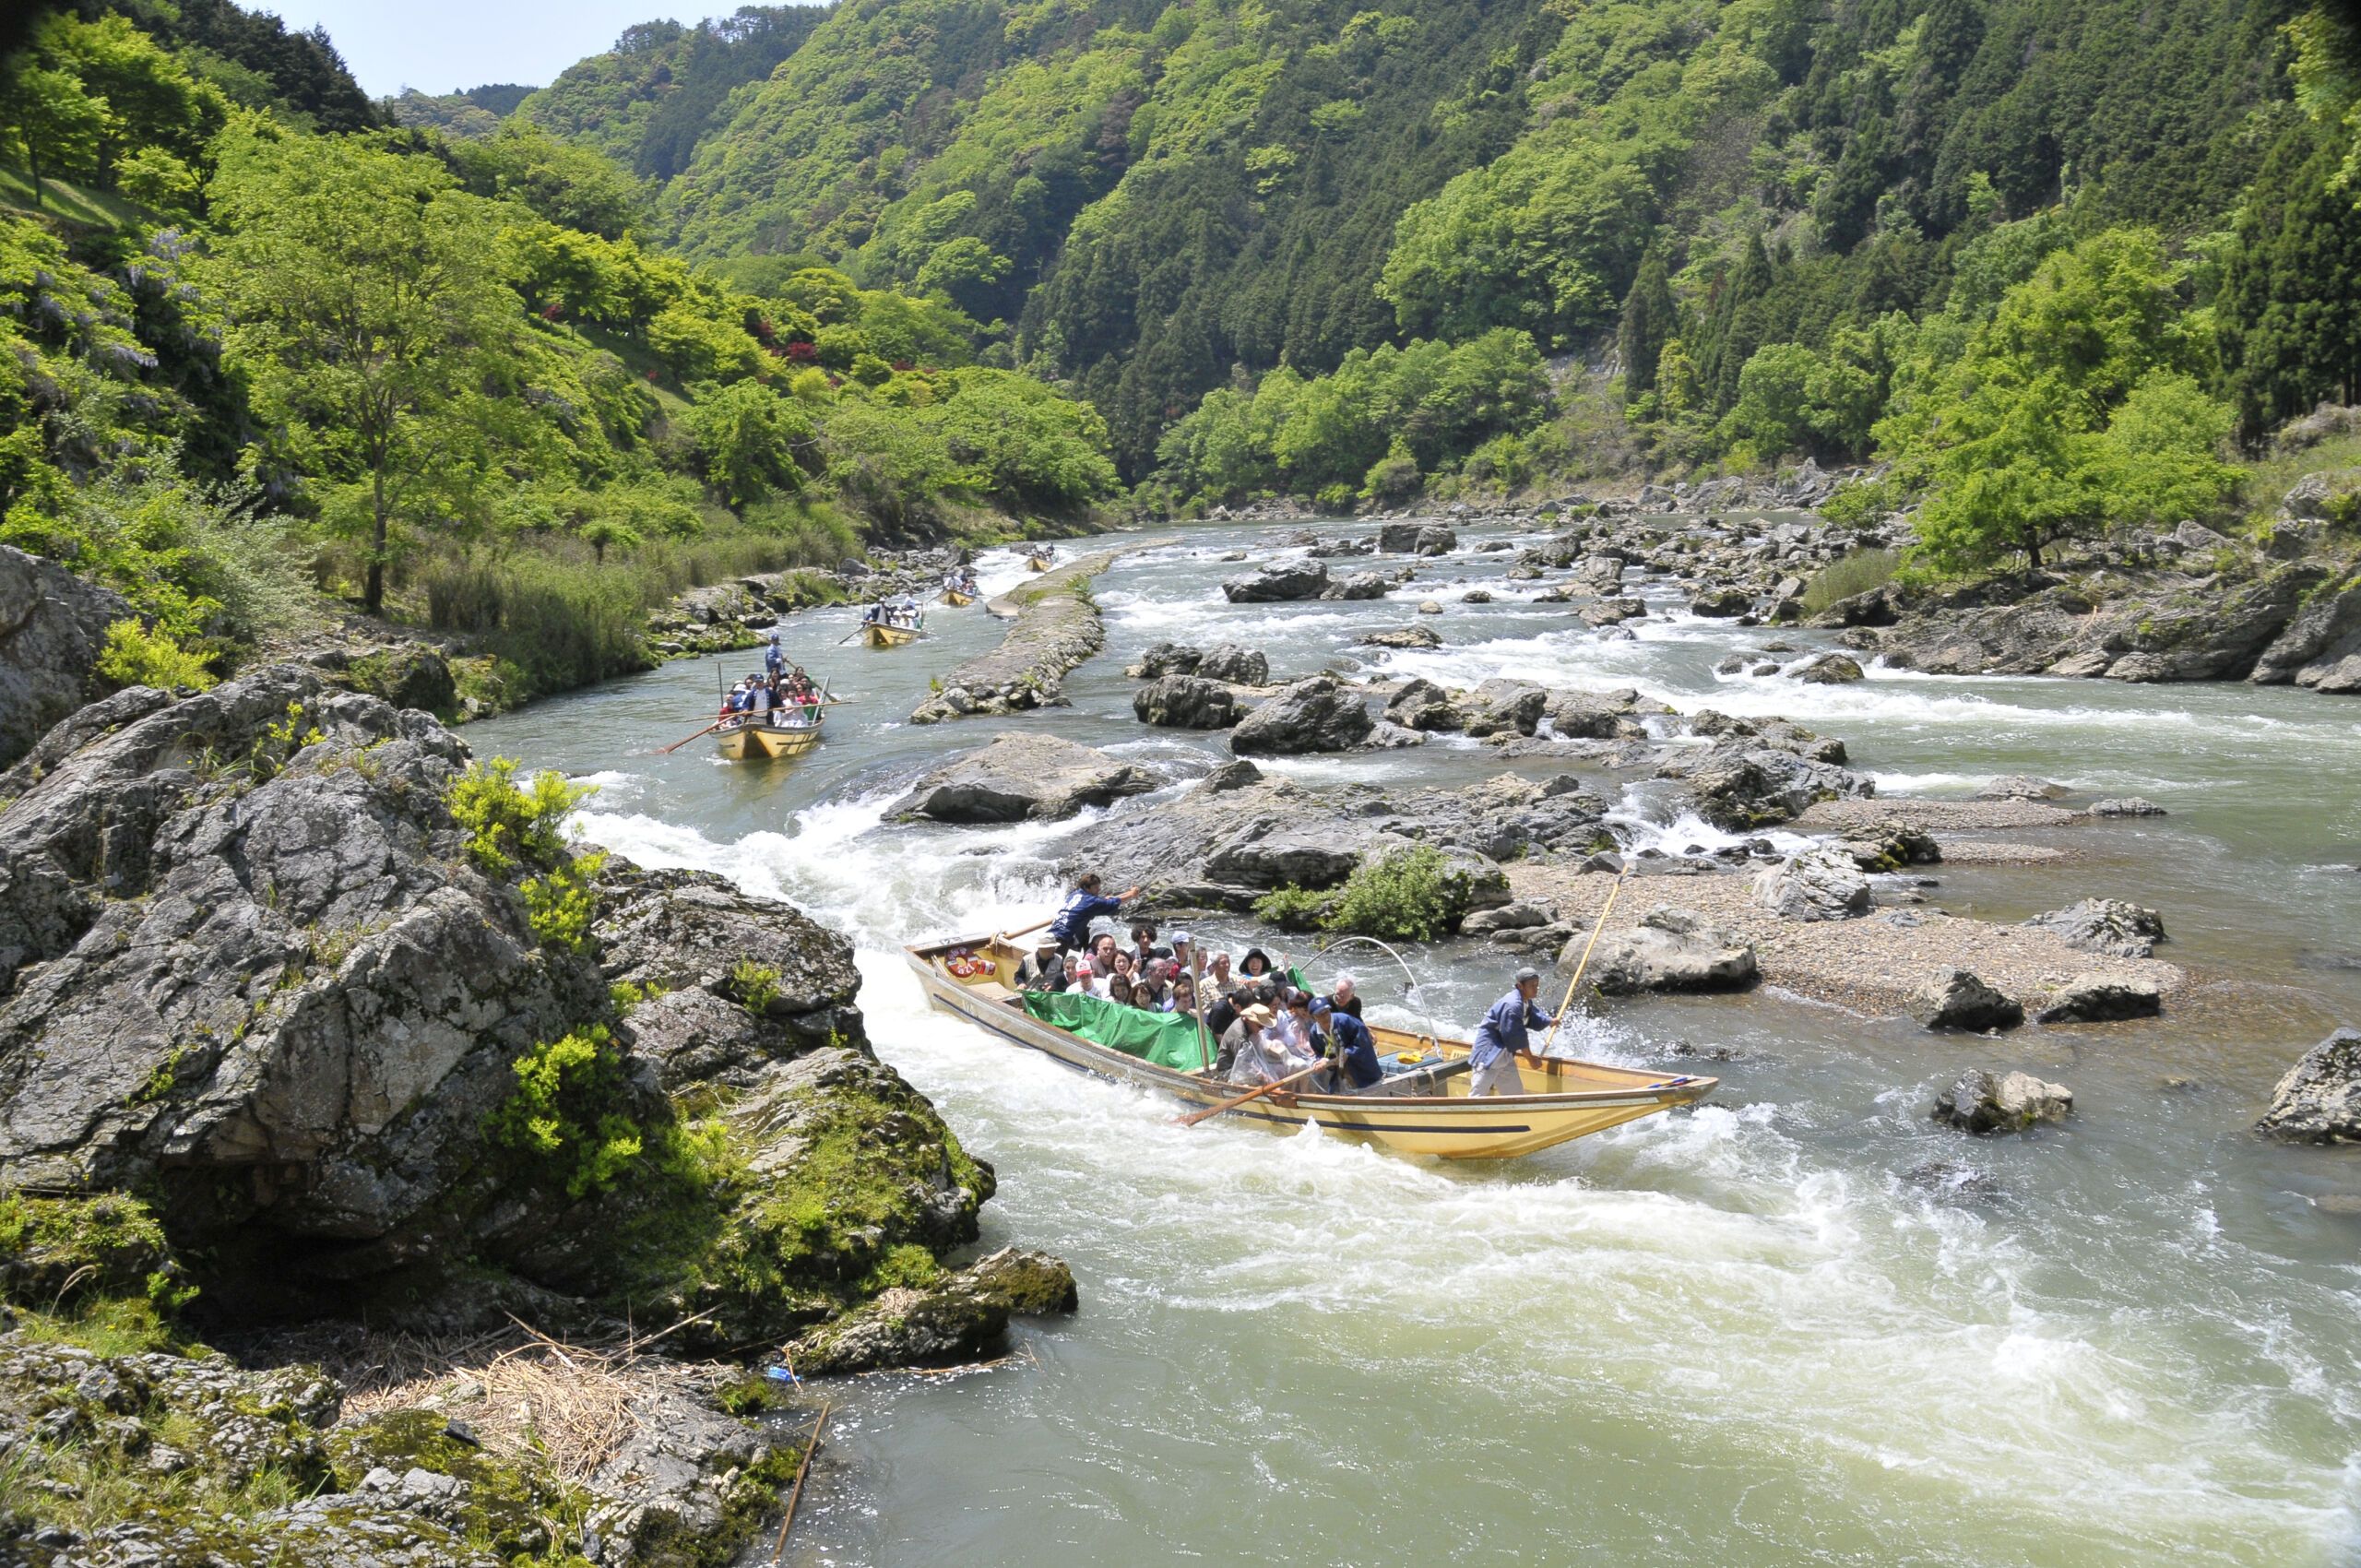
{"type": "Point", "coordinates": [73, 1254]}
{"type": "Point", "coordinates": [371, 328]}
{"type": "Point", "coordinates": [1430, 403]}
{"type": "Point", "coordinates": [508, 827]}
{"type": "Point", "coordinates": [562, 904]}
{"type": "Point", "coordinates": [2073, 406]}
{"type": "Point", "coordinates": [2289, 309]}
{"type": "Point", "coordinates": [134, 656]}
{"type": "Point", "coordinates": [1411, 895]}
{"type": "Point", "coordinates": [754, 442]}
{"type": "Point", "coordinates": [569, 1114]}
{"type": "Point", "coordinates": [755, 985]}
{"type": "Point", "coordinates": [572, 186]}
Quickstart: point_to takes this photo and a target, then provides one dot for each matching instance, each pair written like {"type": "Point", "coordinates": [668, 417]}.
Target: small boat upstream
{"type": "Point", "coordinates": [893, 622]}
{"type": "Point", "coordinates": [1422, 1107]}
{"type": "Point", "coordinates": [749, 739]}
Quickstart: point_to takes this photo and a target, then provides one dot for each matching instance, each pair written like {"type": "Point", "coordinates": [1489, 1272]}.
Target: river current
{"type": "Point", "coordinates": [1800, 1325]}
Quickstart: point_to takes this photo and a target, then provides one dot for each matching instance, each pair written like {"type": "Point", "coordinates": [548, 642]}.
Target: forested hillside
{"type": "Point", "coordinates": [1735, 231]}
{"type": "Point", "coordinates": [259, 353]}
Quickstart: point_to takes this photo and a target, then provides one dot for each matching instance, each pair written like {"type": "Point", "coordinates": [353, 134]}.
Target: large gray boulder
{"type": "Point", "coordinates": [53, 625]}
{"type": "Point", "coordinates": [1236, 663]}
{"type": "Point", "coordinates": [1314, 714]}
{"type": "Point", "coordinates": [1504, 707]}
{"type": "Point", "coordinates": [1671, 949]}
{"type": "Point", "coordinates": [1963, 1001]}
{"type": "Point", "coordinates": [1819, 883]}
{"type": "Point", "coordinates": [1186, 702]}
{"type": "Point", "coordinates": [2112, 926]}
{"type": "Point", "coordinates": [1022, 776]}
{"type": "Point", "coordinates": [2319, 1102]}
{"type": "Point", "coordinates": [2099, 999]}
{"type": "Point", "coordinates": [1282, 582]}
{"type": "Point", "coordinates": [1422, 704]}
{"type": "Point", "coordinates": [1980, 1104]}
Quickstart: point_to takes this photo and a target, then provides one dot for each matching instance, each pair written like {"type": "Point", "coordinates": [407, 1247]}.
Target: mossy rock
{"type": "Point", "coordinates": [505, 1506]}
{"type": "Point", "coordinates": [408, 675]}
{"type": "Point", "coordinates": [62, 1252]}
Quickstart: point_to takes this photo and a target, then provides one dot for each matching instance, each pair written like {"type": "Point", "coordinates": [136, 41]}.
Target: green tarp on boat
{"type": "Point", "coordinates": [1167, 1040]}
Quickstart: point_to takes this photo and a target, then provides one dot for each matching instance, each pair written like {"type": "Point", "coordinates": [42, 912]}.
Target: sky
{"type": "Point", "coordinates": [447, 45]}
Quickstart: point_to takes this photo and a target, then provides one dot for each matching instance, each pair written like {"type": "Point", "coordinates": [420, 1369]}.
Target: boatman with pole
{"type": "Point", "coordinates": [1084, 904]}
{"type": "Point", "coordinates": [1503, 1036]}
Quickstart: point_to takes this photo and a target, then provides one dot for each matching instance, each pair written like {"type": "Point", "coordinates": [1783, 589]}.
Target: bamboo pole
{"type": "Point", "coordinates": [1597, 931]}
{"type": "Point", "coordinates": [1253, 1094]}
{"type": "Point", "coordinates": [811, 1446]}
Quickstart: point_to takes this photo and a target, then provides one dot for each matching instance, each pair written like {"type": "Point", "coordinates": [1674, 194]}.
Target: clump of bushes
{"type": "Point", "coordinates": [1408, 895]}
{"type": "Point", "coordinates": [1856, 573]}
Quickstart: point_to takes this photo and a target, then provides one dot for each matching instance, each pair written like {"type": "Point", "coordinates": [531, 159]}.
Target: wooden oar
{"type": "Point", "coordinates": [1254, 1094]}
{"type": "Point", "coordinates": [1025, 931]}
{"type": "Point", "coordinates": [667, 751]}
{"type": "Point", "coordinates": [1575, 984]}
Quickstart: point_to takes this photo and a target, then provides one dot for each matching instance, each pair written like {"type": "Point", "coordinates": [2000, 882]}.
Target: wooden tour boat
{"type": "Point", "coordinates": [750, 739]}
{"type": "Point", "coordinates": [885, 633]}
{"type": "Point", "coordinates": [1037, 563]}
{"type": "Point", "coordinates": [1423, 1109]}
{"type": "Point", "coordinates": [957, 600]}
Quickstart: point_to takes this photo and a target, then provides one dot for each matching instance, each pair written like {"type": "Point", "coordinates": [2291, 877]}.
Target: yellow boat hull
{"type": "Point", "coordinates": [756, 742]}
{"type": "Point", "coordinates": [875, 633]}
{"type": "Point", "coordinates": [1565, 1099]}
{"type": "Point", "coordinates": [956, 600]}
{"type": "Point", "coordinates": [1034, 563]}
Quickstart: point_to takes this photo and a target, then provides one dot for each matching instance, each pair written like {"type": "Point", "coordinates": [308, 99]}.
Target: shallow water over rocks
{"type": "Point", "coordinates": [1759, 1333]}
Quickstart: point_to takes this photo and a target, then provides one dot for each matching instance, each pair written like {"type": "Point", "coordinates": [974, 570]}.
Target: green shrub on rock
{"type": "Point", "coordinates": [1413, 894]}
{"type": "Point", "coordinates": [511, 829]}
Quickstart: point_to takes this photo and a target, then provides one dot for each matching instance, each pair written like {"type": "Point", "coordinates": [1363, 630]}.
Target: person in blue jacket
{"type": "Point", "coordinates": [1354, 1049]}
{"type": "Point", "coordinates": [1084, 904]}
{"type": "Point", "coordinates": [774, 660]}
{"type": "Point", "coordinates": [1501, 1038]}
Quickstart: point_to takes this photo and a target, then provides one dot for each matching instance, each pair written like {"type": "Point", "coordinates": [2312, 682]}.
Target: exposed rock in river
{"type": "Point", "coordinates": [1979, 1103]}
{"type": "Point", "coordinates": [1963, 1001]}
{"type": "Point", "coordinates": [1314, 714]}
{"type": "Point", "coordinates": [1819, 884]}
{"type": "Point", "coordinates": [2112, 926]}
{"type": "Point", "coordinates": [1022, 776]}
{"type": "Point", "coordinates": [2319, 1102]}
{"type": "Point", "coordinates": [1185, 702]}
{"type": "Point", "coordinates": [1278, 584]}
{"type": "Point", "coordinates": [1057, 629]}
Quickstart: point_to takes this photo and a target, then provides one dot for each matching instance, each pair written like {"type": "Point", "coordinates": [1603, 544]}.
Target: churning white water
{"type": "Point", "coordinates": [1798, 1326]}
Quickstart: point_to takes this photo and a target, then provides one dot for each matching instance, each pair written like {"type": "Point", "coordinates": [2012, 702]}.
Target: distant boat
{"type": "Point", "coordinates": [957, 600]}
{"type": "Point", "coordinates": [880, 634]}
{"type": "Point", "coordinates": [1037, 563]}
{"type": "Point", "coordinates": [1424, 1109]}
{"type": "Point", "coordinates": [754, 739]}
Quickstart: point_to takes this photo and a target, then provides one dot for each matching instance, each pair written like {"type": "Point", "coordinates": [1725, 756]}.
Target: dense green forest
{"type": "Point", "coordinates": [520, 363]}
{"type": "Point", "coordinates": [261, 346]}
{"type": "Point", "coordinates": [1736, 231]}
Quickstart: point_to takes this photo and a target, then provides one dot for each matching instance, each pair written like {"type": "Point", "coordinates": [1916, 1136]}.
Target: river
{"type": "Point", "coordinates": [1801, 1325]}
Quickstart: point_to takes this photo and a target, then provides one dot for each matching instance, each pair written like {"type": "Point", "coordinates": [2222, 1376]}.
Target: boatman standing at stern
{"type": "Point", "coordinates": [1501, 1038]}
{"type": "Point", "coordinates": [774, 661]}
{"type": "Point", "coordinates": [1084, 904]}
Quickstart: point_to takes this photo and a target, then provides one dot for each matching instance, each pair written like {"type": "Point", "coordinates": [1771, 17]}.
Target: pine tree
{"type": "Point", "coordinates": [1650, 319]}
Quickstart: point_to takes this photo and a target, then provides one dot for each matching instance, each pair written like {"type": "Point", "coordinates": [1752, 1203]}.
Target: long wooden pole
{"type": "Point", "coordinates": [667, 751]}
{"type": "Point", "coordinates": [811, 1446]}
{"type": "Point", "coordinates": [1197, 996]}
{"type": "Point", "coordinates": [1254, 1094]}
{"type": "Point", "coordinates": [1575, 984]}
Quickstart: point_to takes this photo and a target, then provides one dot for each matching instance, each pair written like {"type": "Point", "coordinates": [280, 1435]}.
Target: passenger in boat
{"type": "Point", "coordinates": [1352, 1045]}
{"type": "Point", "coordinates": [1118, 989]}
{"type": "Point", "coordinates": [1345, 998]}
{"type": "Point", "coordinates": [1264, 1054]}
{"type": "Point", "coordinates": [1503, 1036]}
{"type": "Point", "coordinates": [1046, 970]}
{"type": "Point", "coordinates": [1087, 981]}
{"type": "Point", "coordinates": [1183, 998]}
{"type": "Point", "coordinates": [1143, 946]}
{"type": "Point", "coordinates": [1255, 965]}
{"type": "Point", "coordinates": [1150, 988]}
{"type": "Point", "coordinates": [1121, 965]}
{"type": "Point", "coordinates": [1219, 981]}
{"type": "Point", "coordinates": [1102, 953]}
{"type": "Point", "coordinates": [1184, 953]}
{"type": "Point", "coordinates": [758, 701]}
{"type": "Point", "coordinates": [1084, 904]}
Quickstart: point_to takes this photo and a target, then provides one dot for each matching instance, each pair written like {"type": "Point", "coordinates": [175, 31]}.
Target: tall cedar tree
{"type": "Point", "coordinates": [1650, 319]}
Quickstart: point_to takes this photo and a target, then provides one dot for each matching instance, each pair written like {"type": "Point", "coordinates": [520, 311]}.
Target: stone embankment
{"type": "Point", "coordinates": [371, 1039]}
{"type": "Point", "coordinates": [1057, 629]}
